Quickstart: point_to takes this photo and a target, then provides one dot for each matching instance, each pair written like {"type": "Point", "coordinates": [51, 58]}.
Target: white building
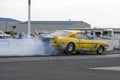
{"type": "Point", "coordinates": [6, 24]}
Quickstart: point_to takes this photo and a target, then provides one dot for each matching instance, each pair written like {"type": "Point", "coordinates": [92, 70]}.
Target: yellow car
{"type": "Point", "coordinates": [72, 41]}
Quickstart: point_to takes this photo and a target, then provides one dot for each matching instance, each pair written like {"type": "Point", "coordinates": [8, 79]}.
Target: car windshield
{"type": "Point", "coordinates": [59, 33]}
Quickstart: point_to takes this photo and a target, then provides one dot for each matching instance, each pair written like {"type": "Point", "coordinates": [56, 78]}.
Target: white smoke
{"type": "Point", "coordinates": [23, 47]}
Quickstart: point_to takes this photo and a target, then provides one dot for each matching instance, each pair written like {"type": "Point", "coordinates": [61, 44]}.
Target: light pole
{"type": "Point", "coordinates": [29, 17]}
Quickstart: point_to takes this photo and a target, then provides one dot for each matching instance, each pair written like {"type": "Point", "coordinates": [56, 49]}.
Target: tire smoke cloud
{"type": "Point", "coordinates": [23, 47]}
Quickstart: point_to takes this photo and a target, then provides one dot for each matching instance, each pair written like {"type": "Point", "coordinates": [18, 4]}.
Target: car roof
{"type": "Point", "coordinates": [76, 31]}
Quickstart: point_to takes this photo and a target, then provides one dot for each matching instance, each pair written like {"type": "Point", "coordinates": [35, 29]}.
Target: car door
{"type": "Point", "coordinates": [85, 43]}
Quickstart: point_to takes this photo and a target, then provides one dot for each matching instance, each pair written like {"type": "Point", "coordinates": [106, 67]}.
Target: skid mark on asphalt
{"type": "Point", "coordinates": [116, 68]}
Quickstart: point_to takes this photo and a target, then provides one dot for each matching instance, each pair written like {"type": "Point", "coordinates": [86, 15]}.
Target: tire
{"type": "Point", "coordinates": [100, 50]}
{"type": "Point", "coordinates": [70, 49]}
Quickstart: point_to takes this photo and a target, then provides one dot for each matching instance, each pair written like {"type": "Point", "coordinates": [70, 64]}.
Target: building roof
{"type": "Point", "coordinates": [9, 19]}
{"type": "Point", "coordinates": [54, 22]}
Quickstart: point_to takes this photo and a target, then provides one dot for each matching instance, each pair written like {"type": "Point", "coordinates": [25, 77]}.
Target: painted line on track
{"type": "Point", "coordinates": [116, 68]}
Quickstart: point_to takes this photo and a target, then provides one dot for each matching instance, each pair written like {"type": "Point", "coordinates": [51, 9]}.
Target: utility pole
{"type": "Point", "coordinates": [29, 17]}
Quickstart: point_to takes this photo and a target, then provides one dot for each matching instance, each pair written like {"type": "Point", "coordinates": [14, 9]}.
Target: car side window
{"type": "Point", "coordinates": [82, 36]}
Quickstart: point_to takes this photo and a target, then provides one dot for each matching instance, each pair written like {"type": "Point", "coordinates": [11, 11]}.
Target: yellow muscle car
{"type": "Point", "coordinates": [72, 41]}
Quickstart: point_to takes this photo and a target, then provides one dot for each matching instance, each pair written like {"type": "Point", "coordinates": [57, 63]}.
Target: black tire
{"type": "Point", "coordinates": [70, 49]}
{"type": "Point", "coordinates": [100, 50]}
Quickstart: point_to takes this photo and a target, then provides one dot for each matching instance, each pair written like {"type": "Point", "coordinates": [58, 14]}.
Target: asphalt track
{"type": "Point", "coordinates": [73, 67]}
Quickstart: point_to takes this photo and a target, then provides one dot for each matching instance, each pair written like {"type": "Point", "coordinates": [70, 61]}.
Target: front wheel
{"type": "Point", "coordinates": [70, 49]}
{"type": "Point", "coordinates": [100, 50]}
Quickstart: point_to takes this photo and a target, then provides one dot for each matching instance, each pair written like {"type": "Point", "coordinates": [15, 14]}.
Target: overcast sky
{"type": "Point", "coordinates": [98, 13]}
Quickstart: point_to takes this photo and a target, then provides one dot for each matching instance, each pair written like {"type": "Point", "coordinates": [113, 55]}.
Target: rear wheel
{"type": "Point", "coordinates": [70, 49]}
{"type": "Point", "coordinates": [100, 50]}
